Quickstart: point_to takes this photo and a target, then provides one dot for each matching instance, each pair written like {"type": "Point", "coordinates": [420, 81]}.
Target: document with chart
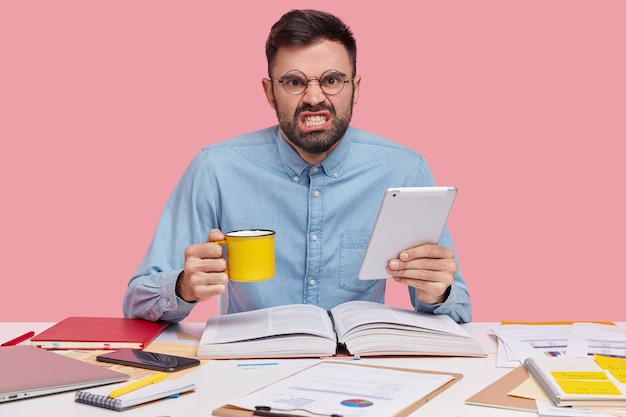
{"type": "Point", "coordinates": [347, 389]}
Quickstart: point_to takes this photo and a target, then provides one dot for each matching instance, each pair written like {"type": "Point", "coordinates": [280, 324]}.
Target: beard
{"type": "Point", "coordinates": [316, 142]}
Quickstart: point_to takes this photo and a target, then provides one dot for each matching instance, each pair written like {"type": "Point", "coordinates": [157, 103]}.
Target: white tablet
{"type": "Point", "coordinates": [407, 217]}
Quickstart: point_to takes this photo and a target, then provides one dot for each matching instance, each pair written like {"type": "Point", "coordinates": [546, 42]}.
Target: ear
{"type": "Point", "coordinates": [267, 89]}
{"type": "Point", "coordinates": [357, 84]}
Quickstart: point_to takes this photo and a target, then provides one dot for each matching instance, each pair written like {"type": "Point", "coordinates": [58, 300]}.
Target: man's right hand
{"type": "Point", "coordinates": [204, 274]}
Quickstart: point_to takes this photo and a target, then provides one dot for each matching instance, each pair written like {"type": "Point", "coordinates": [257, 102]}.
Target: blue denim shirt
{"type": "Point", "coordinates": [322, 215]}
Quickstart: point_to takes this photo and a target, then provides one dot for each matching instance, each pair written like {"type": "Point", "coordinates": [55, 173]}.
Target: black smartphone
{"type": "Point", "coordinates": [148, 360]}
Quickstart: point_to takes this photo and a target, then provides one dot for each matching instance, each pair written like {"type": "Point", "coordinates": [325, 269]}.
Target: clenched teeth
{"type": "Point", "coordinates": [314, 120]}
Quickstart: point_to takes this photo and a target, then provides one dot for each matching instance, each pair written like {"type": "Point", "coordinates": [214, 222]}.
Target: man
{"type": "Point", "coordinates": [313, 179]}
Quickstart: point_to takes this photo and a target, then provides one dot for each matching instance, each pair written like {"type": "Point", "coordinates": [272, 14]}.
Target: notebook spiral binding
{"type": "Point", "coordinates": [98, 400]}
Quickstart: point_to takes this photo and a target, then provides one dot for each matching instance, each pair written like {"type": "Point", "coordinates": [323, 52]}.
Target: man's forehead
{"type": "Point", "coordinates": [313, 59]}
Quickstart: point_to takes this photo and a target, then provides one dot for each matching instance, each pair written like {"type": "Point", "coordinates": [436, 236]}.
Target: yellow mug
{"type": "Point", "coordinates": [250, 255]}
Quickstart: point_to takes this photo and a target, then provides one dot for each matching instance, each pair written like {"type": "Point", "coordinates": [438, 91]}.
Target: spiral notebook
{"type": "Point", "coordinates": [99, 397]}
{"type": "Point", "coordinates": [581, 382]}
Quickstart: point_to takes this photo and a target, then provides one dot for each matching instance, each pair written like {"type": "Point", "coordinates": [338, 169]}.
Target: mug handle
{"type": "Point", "coordinates": [221, 242]}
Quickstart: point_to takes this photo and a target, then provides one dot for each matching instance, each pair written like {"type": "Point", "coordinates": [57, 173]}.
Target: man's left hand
{"type": "Point", "coordinates": [428, 268]}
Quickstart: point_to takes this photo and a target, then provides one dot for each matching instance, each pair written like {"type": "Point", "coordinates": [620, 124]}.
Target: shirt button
{"type": "Point", "coordinates": [312, 282]}
{"type": "Point", "coordinates": [314, 169]}
{"type": "Point", "coordinates": [314, 237]}
{"type": "Point", "coordinates": [316, 194]}
{"type": "Point", "coordinates": [296, 178]}
{"type": "Point", "coordinates": [335, 174]}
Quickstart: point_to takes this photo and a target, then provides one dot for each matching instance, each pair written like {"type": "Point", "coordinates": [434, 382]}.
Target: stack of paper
{"type": "Point", "coordinates": [517, 342]}
{"type": "Point", "coordinates": [576, 369]}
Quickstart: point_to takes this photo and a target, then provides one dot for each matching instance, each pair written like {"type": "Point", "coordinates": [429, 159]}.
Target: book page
{"type": "Point", "coordinates": [356, 313]}
{"type": "Point", "coordinates": [268, 322]}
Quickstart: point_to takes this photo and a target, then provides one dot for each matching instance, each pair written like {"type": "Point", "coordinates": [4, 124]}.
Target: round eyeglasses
{"type": "Point", "coordinates": [331, 82]}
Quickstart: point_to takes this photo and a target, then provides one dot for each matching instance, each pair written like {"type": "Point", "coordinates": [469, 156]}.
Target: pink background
{"type": "Point", "coordinates": [520, 104]}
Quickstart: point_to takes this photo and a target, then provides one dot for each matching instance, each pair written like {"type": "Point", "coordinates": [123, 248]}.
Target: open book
{"type": "Point", "coordinates": [362, 328]}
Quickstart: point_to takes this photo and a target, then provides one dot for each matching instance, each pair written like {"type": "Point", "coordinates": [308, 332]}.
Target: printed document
{"type": "Point", "coordinates": [357, 391]}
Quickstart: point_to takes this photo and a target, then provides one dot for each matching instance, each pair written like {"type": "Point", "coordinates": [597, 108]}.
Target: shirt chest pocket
{"type": "Point", "coordinates": [353, 245]}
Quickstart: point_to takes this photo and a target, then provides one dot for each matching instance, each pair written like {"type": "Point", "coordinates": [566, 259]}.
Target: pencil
{"type": "Point", "coordinates": [152, 379]}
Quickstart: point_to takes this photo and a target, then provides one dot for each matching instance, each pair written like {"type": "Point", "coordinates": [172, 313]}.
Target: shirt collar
{"type": "Point", "coordinates": [295, 166]}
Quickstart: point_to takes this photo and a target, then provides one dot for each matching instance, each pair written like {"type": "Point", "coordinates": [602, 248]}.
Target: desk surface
{"type": "Point", "coordinates": [219, 382]}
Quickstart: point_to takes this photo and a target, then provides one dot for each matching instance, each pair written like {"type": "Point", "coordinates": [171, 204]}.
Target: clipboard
{"type": "Point", "coordinates": [229, 410]}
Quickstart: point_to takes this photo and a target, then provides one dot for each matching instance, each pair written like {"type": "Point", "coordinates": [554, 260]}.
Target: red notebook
{"type": "Point", "coordinates": [99, 333]}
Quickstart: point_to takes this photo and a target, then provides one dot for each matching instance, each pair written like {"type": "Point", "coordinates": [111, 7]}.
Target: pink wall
{"type": "Point", "coordinates": [520, 104]}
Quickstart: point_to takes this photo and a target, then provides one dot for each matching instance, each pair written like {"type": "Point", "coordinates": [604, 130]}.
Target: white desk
{"type": "Point", "coordinates": [219, 382]}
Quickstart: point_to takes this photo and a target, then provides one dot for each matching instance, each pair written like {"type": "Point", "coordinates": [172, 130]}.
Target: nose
{"type": "Point", "coordinates": [313, 93]}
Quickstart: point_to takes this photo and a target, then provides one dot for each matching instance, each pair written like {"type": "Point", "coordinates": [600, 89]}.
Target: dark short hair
{"type": "Point", "coordinates": [307, 27]}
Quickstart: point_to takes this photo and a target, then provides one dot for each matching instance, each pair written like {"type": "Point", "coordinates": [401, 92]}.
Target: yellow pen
{"type": "Point", "coordinates": [133, 386]}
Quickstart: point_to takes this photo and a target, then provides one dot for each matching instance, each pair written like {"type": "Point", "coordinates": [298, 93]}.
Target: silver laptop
{"type": "Point", "coordinates": [27, 371]}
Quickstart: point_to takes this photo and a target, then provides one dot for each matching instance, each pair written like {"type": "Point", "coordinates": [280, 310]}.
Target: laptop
{"type": "Point", "coordinates": [28, 372]}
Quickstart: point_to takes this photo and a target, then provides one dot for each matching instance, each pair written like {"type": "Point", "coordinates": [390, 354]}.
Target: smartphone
{"type": "Point", "coordinates": [148, 360]}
